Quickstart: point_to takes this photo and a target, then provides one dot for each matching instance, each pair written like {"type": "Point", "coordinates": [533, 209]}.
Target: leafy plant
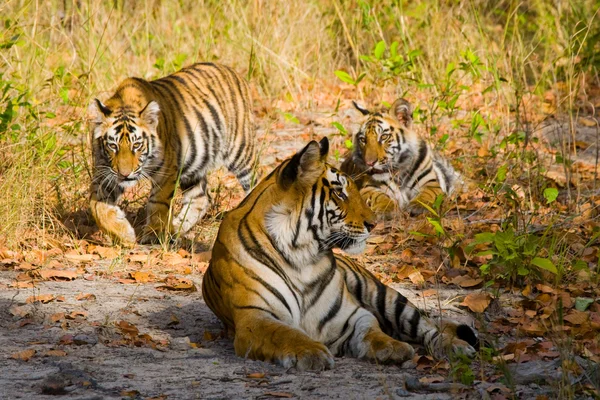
{"type": "Point", "coordinates": [514, 256]}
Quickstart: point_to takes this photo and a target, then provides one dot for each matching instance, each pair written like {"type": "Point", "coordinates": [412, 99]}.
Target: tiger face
{"type": "Point", "coordinates": [385, 141]}
{"type": "Point", "coordinates": [338, 215]}
{"type": "Point", "coordinates": [125, 140]}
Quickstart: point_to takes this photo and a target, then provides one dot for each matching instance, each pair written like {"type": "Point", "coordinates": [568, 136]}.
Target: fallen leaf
{"type": "Point", "coordinates": [582, 303]}
{"type": "Point", "coordinates": [76, 314]}
{"type": "Point", "coordinates": [429, 292]}
{"type": "Point", "coordinates": [279, 394]}
{"type": "Point", "coordinates": [174, 283]}
{"type": "Point", "coordinates": [576, 317]}
{"type": "Point", "coordinates": [22, 285]}
{"type": "Point", "coordinates": [85, 296]}
{"type": "Point", "coordinates": [42, 298]}
{"type": "Point", "coordinates": [256, 375]}
{"type": "Point", "coordinates": [127, 328]}
{"type": "Point", "coordinates": [55, 353]}
{"type": "Point", "coordinates": [142, 277]}
{"type": "Point", "coordinates": [477, 302]}
{"type": "Point", "coordinates": [417, 278]}
{"type": "Point", "coordinates": [18, 311]}
{"type": "Point", "coordinates": [81, 257]}
{"type": "Point", "coordinates": [24, 355]}
{"type": "Point", "coordinates": [106, 252]}
{"type": "Point", "coordinates": [54, 318]}
{"type": "Point", "coordinates": [57, 274]}
{"type": "Point", "coordinates": [130, 393]}
{"type": "Point", "coordinates": [466, 281]}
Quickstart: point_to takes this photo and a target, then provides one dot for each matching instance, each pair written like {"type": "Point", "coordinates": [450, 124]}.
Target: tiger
{"type": "Point", "coordinates": [287, 298]}
{"type": "Point", "coordinates": [171, 131]}
{"type": "Point", "coordinates": [394, 167]}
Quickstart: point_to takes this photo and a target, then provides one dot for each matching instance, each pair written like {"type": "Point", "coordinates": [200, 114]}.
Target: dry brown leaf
{"type": "Point", "coordinates": [81, 257]}
{"type": "Point", "coordinates": [431, 379]}
{"type": "Point", "coordinates": [417, 278]}
{"type": "Point", "coordinates": [55, 353]}
{"type": "Point", "coordinates": [576, 317]}
{"type": "Point", "coordinates": [85, 296]}
{"type": "Point", "coordinates": [279, 394]}
{"type": "Point", "coordinates": [174, 283]}
{"type": "Point", "coordinates": [105, 252]}
{"type": "Point", "coordinates": [25, 266]}
{"type": "Point", "coordinates": [141, 257]}
{"type": "Point", "coordinates": [24, 355]}
{"type": "Point", "coordinates": [42, 298]}
{"type": "Point", "coordinates": [142, 276]}
{"type": "Point", "coordinates": [22, 285]}
{"type": "Point", "coordinates": [256, 375]}
{"type": "Point", "coordinates": [54, 318]}
{"type": "Point", "coordinates": [477, 302]}
{"type": "Point", "coordinates": [76, 314]}
{"type": "Point", "coordinates": [18, 311]}
{"type": "Point", "coordinates": [533, 328]}
{"type": "Point", "coordinates": [58, 274]}
{"type": "Point", "coordinates": [128, 328]}
{"type": "Point", "coordinates": [430, 292]}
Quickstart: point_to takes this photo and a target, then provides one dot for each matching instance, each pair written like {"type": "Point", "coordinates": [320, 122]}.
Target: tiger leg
{"type": "Point", "coordinates": [378, 201]}
{"type": "Point", "coordinates": [427, 196]}
{"type": "Point", "coordinates": [259, 336]}
{"type": "Point", "coordinates": [194, 206]}
{"type": "Point", "coordinates": [158, 208]}
{"type": "Point", "coordinates": [245, 170]}
{"type": "Point", "coordinates": [401, 319]}
{"type": "Point", "coordinates": [108, 216]}
{"type": "Point", "coordinates": [370, 342]}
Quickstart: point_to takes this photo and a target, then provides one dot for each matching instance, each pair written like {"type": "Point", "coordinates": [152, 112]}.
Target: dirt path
{"type": "Point", "coordinates": [101, 364]}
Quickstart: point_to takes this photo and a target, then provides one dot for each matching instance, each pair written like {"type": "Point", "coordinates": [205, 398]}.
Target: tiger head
{"type": "Point", "coordinates": [334, 213]}
{"type": "Point", "coordinates": [124, 138]}
{"type": "Point", "coordinates": [385, 140]}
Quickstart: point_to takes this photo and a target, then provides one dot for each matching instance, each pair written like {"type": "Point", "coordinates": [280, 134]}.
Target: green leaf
{"type": "Point", "coordinates": [290, 117]}
{"type": "Point", "coordinates": [436, 225]}
{"type": "Point", "coordinates": [582, 303]}
{"type": "Point", "coordinates": [349, 144]}
{"type": "Point", "coordinates": [379, 50]}
{"type": "Point", "coordinates": [485, 237]}
{"type": "Point", "coordinates": [344, 77]}
{"type": "Point", "coordinates": [550, 194]}
{"type": "Point", "coordinates": [394, 49]}
{"type": "Point", "coordinates": [360, 78]}
{"type": "Point", "coordinates": [340, 128]}
{"type": "Point", "coordinates": [544, 263]}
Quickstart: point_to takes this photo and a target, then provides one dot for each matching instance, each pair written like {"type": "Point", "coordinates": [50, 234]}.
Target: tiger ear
{"type": "Point", "coordinates": [324, 148]}
{"type": "Point", "coordinates": [97, 111]}
{"type": "Point", "coordinates": [402, 111]}
{"type": "Point", "coordinates": [305, 165]}
{"type": "Point", "coordinates": [150, 114]}
{"type": "Point", "coordinates": [360, 108]}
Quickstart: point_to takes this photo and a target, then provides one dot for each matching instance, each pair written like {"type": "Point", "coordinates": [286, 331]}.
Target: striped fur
{"type": "Point", "coordinates": [172, 129]}
{"type": "Point", "coordinates": [393, 166]}
{"type": "Point", "coordinates": [276, 284]}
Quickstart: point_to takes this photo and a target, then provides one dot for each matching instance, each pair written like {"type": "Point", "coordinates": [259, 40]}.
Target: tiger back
{"type": "Point", "coordinates": [393, 166]}
{"type": "Point", "coordinates": [276, 284]}
{"type": "Point", "coordinates": [171, 131]}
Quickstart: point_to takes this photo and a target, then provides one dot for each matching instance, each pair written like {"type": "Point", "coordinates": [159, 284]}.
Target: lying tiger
{"type": "Point", "coordinates": [275, 282]}
{"type": "Point", "coordinates": [171, 131]}
{"type": "Point", "coordinates": [394, 167]}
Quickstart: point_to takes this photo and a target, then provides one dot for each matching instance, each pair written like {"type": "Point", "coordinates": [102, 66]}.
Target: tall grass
{"type": "Point", "coordinates": [56, 56]}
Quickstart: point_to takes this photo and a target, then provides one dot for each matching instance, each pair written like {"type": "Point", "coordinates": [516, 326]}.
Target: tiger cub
{"type": "Point", "coordinates": [393, 167]}
{"type": "Point", "coordinates": [275, 282]}
{"type": "Point", "coordinates": [171, 131]}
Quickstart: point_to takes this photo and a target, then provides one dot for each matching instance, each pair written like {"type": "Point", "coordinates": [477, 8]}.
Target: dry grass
{"type": "Point", "coordinates": [56, 56]}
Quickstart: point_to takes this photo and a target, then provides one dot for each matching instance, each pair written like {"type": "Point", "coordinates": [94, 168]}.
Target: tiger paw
{"type": "Point", "coordinates": [314, 358]}
{"type": "Point", "coordinates": [459, 340]}
{"type": "Point", "coordinates": [384, 349]}
{"type": "Point", "coordinates": [112, 220]}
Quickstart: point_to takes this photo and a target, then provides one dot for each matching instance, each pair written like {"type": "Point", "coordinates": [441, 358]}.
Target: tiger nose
{"type": "Point", "coordinates": [369, 226]}
{"type": "Point", "coordinates": [124, 173]}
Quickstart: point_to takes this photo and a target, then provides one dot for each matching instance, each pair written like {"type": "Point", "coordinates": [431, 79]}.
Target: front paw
{"type": "Point", "coordinates": [315, 357]}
